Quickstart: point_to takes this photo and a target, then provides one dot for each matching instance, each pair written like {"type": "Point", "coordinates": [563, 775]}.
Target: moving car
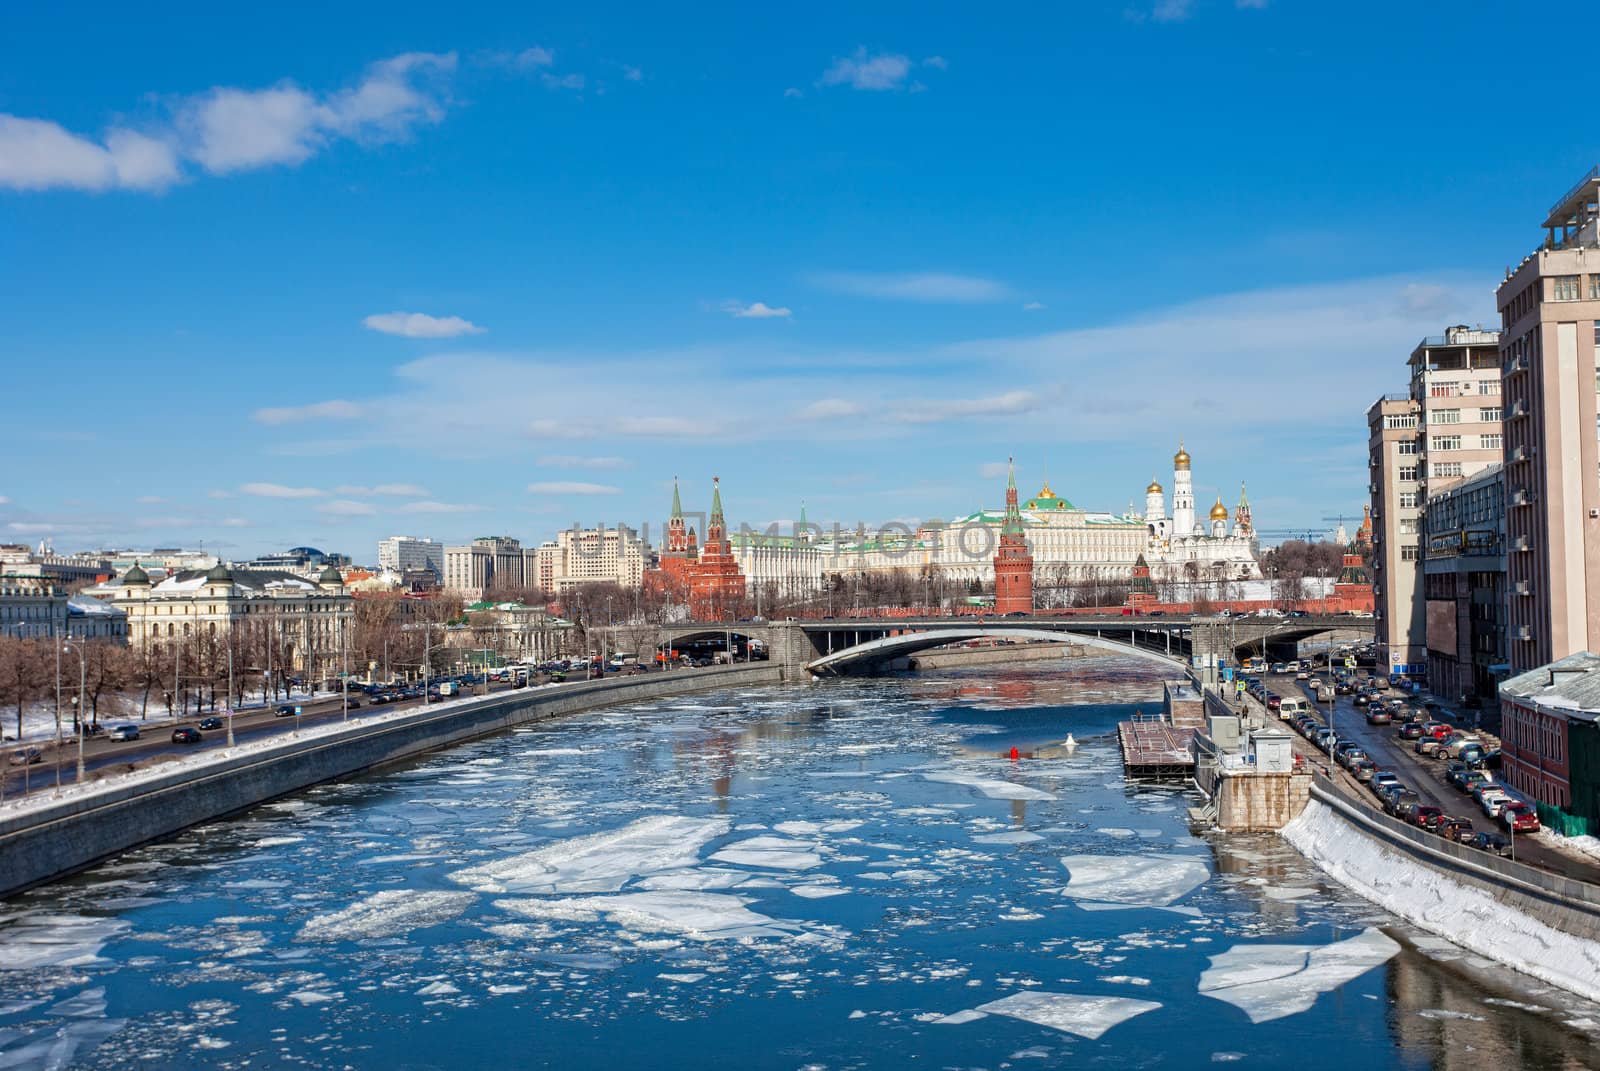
{"type": "Point", "coordinates": [25, 756]}
{"type": "Point", "coordinates": [123, 732]}
{"type": "Point", "coordinates": [283, 710]}
{"type": "Point", "coordinates": [186, 734]}
{"type": "Point", "coordinates": [210, 723]}
{"type": "Point", "coordinates": [1493, 843]}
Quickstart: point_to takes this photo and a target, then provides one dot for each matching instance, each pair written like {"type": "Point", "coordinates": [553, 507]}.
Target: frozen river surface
{"type": "Point", "coordinates": [841, 875]}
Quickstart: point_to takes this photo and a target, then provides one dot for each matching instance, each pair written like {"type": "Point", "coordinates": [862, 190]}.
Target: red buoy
{"type": "Point", "coordinates": [1014, 755]}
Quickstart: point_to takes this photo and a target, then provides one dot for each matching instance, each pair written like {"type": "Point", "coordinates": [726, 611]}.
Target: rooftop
{"type": "Point", "coordinates": [1570, 685]}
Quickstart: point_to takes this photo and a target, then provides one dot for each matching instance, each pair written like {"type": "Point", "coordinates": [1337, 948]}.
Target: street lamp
{"type": "Point", "coordinates": [83, 678]}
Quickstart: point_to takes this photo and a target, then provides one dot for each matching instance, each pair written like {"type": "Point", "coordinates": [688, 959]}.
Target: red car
{"type": "Point", "coordinates": [1427, 817]}
{"type": "Point", "coordinates": [1520, 817]}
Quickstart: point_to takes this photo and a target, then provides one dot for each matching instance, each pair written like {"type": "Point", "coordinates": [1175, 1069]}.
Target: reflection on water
{"type": "Point", "coordinates": [846, 874]}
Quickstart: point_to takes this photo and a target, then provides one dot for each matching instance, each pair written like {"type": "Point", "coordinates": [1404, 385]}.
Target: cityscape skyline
{"type": "Point", "coordinates": [846, 292]}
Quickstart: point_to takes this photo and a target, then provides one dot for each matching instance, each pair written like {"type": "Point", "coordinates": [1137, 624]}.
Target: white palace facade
{"type": "Point", "coordinates": [1069, 544]}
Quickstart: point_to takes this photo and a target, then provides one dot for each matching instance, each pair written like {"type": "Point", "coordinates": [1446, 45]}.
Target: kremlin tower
{"type": "Point", "coordinates": [1013, 565]}
{"type": "Point", "coordinates": [1182, 495]}
{"type": "Point", "coordinates": [716, 585]}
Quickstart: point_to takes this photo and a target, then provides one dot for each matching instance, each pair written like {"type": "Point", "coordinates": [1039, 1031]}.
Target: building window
{"type": "Point", "coordinates": [1489, 442]}
{"type": "Point", "coordinates": [1408, 473]}
{"type": "Point", "coordinates": [1489, 414]}
{"type": "Point", "coordinates": [1396, 422]}
{"type": "Point", "coordinates": [1564, 288]}
{"type": "Point", "coordinates": [1408, 448]}
{"type": "Point", "coordinates": [1408, 552]}
{"type": "Point", "coordinates": [1445, 468]}
{"type": "Point", "coordinates": [1408, 500]}
{"type": "Point", "coordinates": [1444, 389]}
{"type": "Point", "coordinates": [1488, 386]}
{"type": "Point", "coordinates": [1444, 416]}
{"type": "Point", "coordinates": [1445, 442]}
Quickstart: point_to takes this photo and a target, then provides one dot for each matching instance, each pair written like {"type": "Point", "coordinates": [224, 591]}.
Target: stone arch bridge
{"type": "Point", "coordinates": [819, 647]}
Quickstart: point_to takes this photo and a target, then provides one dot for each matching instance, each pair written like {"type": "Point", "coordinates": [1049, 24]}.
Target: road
{"type": "Point", "coordinates": [1422, 775]}
{"type": "Point", "coordinates": [156, 743]}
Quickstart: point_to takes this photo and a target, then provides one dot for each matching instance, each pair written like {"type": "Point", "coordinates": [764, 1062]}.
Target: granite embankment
{"type": "Point", "coordinates": [1536, 922]}
{"type": "Point", "coordinates": [47, 837]}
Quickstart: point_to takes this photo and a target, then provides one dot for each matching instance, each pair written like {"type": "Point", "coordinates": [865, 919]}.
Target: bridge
{"type": "Point", "coordinates": [824, 647]}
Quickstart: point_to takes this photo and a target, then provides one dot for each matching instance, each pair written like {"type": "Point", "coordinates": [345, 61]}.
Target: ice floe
{"type": "Point", "coordinates": [1019, 836]}
{"type": "Point", "coordinates": [991, 787]}
{"type": "Point", "coordinates": [1271, 981]}
{"type": "Point", "coordinates": [599, 862]}
{"type": "Point", "coordinates": [1071, 1013]}
{"type": "Point", "coordinates": [56, 941]}
{"type": "Point", "coordinates": [771, 853]}
{"type": "Point", "coordinates": [1101, 882]}
{"type": "Point", "coordinates": [700, 916]}
{"type": "Point", "coordinates": [385, 914]}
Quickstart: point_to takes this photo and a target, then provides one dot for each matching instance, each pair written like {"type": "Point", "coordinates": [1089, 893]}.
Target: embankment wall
{"type": "Point", "coordinates": [50, 838]}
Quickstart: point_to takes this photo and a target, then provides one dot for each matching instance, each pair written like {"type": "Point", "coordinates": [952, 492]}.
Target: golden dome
{"type": "Point", "coordinates": [1219, 512]}
{"type": "Point", "coordinates": [1045, 491]}
{"type": "Point", "coordinates": [1153, 489]}
{"type": "Point", "coordinates": [1180, 460]}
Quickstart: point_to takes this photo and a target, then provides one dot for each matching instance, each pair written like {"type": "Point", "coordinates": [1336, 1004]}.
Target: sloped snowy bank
{"type": "Point", "coordinates": [1464, 914]}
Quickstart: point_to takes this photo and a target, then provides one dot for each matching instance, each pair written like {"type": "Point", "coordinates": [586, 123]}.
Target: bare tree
{"type": "Point", "coordinates": [23, 675]}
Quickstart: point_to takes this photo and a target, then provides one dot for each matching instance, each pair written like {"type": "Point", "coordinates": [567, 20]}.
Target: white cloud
{"type": "Point", "coordinates": [993, 470]}
{"type": "Point", "coordinates": [228, 129]}
{"type": "Point", "coordinates": [421, 325]}
{"type": "Point", "coordinates": [149, 500]}
{"type": "Point", "coordinates": [329, 410]}
{"type": "Point", "coordinates": [428, 506]}
{"type": "Point", "coordinates": [1033, 306]}
{"type": "Point", "coordinates": [235, 522]}
{"type": "Point", "coordinates": [829, 408]}
{"type": "Point", "coordinates": [562, 81]}
{"type": "Point", "coordinates": [278, 490]}
{"type": "Point", "coordinates": [574, 461]}
{"type": "Point", "coordinates": [632, 74]}
{"type": "Point", "coordinates": [665, 427]}
{"type": "Point", "coordinates": [938, 62]}
{"type": "Point", "coordinates": [1257, 5]}
{"type": "Point", "coordinates": [863, 70]}
{"type": "Point", "coordinates": [933, 411]}
{"type": "Point", "coordinates": [219, 493]}
{"type": "Point", "coordinates": [344, 507]}
{"type": "Point", "coordinates": [756, 311]}
{"type": "Point", "coordinates": [1172, 10]}
{"type": "Point", "coordinates": [534, 57]}
{"type": "Point", "coordinates": [4, 501]}
{"type": "Point", "coordinates": [915, 286]}
{"type": "Point", "coordinates": [792, 94]}
{"type": "Point", "coordinates": [403, 490]}
{"type": "Point", "coordinates": [36, 154]}
{"type": "Point", "coordinates": [572, 487]}
{"type": "Point", "coordinates": [547, 428]}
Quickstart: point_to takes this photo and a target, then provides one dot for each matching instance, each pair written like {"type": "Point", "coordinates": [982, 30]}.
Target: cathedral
{"type": "Point", "coordinates": [1213, 546]}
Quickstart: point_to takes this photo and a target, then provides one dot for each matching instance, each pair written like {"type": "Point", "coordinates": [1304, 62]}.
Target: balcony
{"type": "Point", "coordinates": [1516, 410]}
{"type": "Point", "coordinates": [1521, 544]}
{"type": "Point", "coordinates": [1523, 588]}
{"type": "Point", "coordinates": [1522, 632]}
{"type": "Point", "coordinates": [1518, 453]}
{"type": "Point", "coordinates": [1521, 497]}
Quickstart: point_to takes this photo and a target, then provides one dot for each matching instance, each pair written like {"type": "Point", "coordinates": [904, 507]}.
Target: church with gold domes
{"type": "Point", "coordinates": [1180, 546]}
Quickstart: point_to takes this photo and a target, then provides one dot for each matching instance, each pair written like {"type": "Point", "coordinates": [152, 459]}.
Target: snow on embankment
{"type": "Point", "coordinates": [1442, 903]}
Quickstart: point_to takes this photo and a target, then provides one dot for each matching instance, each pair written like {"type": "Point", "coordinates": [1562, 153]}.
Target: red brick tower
{"type": "Point", "coordinates": [678, 554]}
{"type": "Point", "coordinates": [1013, 565]}
{"type": "Point", "coordinates": [716, 585]}
{"type": "Point", "coordinates": [1353, 589]}
{"type": "Point", "coordinates": [1141, 589]}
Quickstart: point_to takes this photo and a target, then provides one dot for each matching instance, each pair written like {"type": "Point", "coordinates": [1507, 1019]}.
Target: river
{"type": "Point", "coordinates": [847, 874]}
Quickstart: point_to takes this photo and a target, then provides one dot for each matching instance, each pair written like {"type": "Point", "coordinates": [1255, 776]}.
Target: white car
{"type": "Point", "coordinates": [123, 732]}
{"type": "Point", "coordinates": [1494, 802]}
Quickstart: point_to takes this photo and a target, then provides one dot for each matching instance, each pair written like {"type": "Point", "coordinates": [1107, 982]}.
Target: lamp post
{"type": "Point", "coordinates": [83, 679]}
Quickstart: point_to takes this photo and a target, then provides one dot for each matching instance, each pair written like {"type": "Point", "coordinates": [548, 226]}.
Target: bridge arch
{"type": "Point", "coordinates": [875, 652]}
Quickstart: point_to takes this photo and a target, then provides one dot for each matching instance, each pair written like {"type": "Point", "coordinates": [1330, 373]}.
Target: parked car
{"type": "Point", "coordinates": [1426, 817]}
{"type": "Point", "coordinates": [123, 732]}
{"type": "Point", "coordinates": [1399, 800]}
{"type": "Point", "coordinates": [1494, 802]}
{"type": "Point", "coordinates": [1383, 779]}
{"type": "Point", "coordinates": [1457, 829]}
{"type": "Point", "coordinates": [1493, 843]}
{"type": "Point", "coordinates": [1411, 730]}
{"type": "Point", "coordinates": [1520, 817]}
{"type": "Point", "coordinates": [25, 756]}
{"type": "Point", "coordinates": [209, 724]}
{"type": "Point", "coordinates": [186, 734]}
{"type": "Point", "coordinates": [1459, 743]}
{"type": "Point", "coordinates": [283, 710]}
{"type": "Point", "coordinates": [1363, 770]}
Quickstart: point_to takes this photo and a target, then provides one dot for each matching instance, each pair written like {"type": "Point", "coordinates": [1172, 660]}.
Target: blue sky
{"type": "Point", "coordinates": [356, 271]}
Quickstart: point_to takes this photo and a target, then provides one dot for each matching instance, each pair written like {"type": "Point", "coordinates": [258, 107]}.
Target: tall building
{"type": "Point", "coordinates": [1446, 428]}
{"type": "Point", "coordinates": [402, 554]}
{"type": "Point", "coordinates": [598, 555]}
{"type": "Point", "coordinates": [486, 563]}
{"type": "Point", "coordinates": [1550, 350]}
{"type": "Point", "coordinates": [1013, 565]}
{"type": "Point", "coordinates": [1464, 585]}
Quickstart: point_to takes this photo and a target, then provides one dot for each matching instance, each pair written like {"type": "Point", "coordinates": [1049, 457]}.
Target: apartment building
{"type": "Point", "coordinates": [1550, 352]}
{"type": "Point", "coordinates": [403, 554]}
{"type": "Point", "coordinates": [591, 556]}
{"type": "Point", "coordinates": [1464, 585]}
{"type": "Point", "coordinates": [1445, 429]}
